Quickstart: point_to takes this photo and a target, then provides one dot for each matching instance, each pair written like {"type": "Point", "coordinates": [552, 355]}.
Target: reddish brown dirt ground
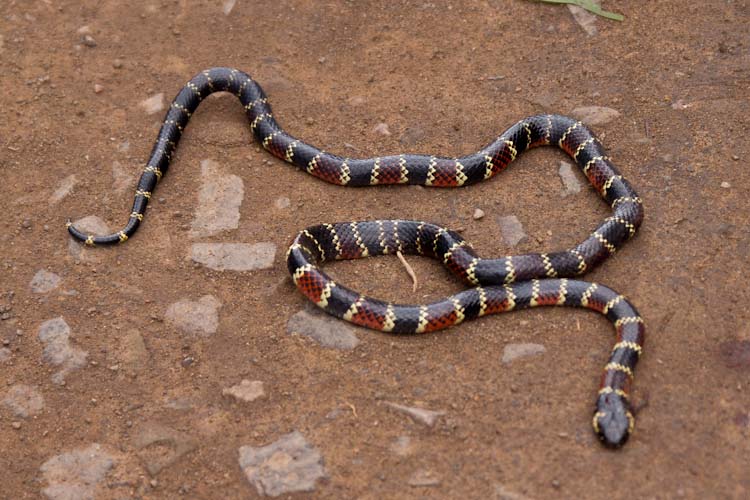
{"type": "Point", "coordinates": [676, 71]}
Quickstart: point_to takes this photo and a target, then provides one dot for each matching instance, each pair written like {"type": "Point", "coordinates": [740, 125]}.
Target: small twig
{"type": "Point", "coordinates": [354, 410]}
{"type": "Point", "coordinates": [409, 270]}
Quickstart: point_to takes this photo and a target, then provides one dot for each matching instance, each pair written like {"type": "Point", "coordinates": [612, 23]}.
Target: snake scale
{"type": "Point", "coordinates": [497, 285]}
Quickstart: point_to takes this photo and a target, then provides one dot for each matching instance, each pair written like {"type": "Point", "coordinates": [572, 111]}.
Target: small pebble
{"type": "Point", "coordinates": [512, 352]}
{"type": "Point", "coordinates": [88, 41]}
{"type": "Point", "coordinates": [595, 115]}
{"type": "Point", "coordinates": [98, 88]}
{"type": "Point", "coordinates": [323, 330]}
{"type": "Point", "coordinates": [117, 63]}
{"type": "Point", "coordinates": [219, 201]}
{"type": "Point", "coordinates": [726, 185]}
{"type": "Point", "coordinates": [478, 214]}
{"type": "Point", "coordinates": [228, 6]}
{"type": "Point", "coordinates": [382, 129]}
{"type": "Point", "coordinates": [511, 229]}
{"type": "Point", "coordinates": [26, 223]}
{"type": "Point", "coordinates": [290, 464]}
{"type": "Point", "coordinates": [153, 104]}
{"type": "Point", "coordinates": [282, 202]}
{"type": "Point", "coordinates": [680, 104]}
{"type": "Point", "coordinates": [15, 425]}
{"type": "Point", "coordinates": [735, 157]}
{"type": "Point", "coordinates": [246, 390]}
{"type": "Point", "coordinates": [421, 415]}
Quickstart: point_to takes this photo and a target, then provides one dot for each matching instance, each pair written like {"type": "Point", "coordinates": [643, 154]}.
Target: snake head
{"type": "Point", "coordinates": [613, 421]}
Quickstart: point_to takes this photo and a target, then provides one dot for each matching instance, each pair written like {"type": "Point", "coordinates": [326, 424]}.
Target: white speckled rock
{"type": "Point", "coordinates": [75, 475]}
{"type": "Point", "coordinates": [511, 229]}
{"type": "Point", "coordinates": [24, 401]}
{"type": "Point", "coordinates": [246, 390]}
{"type": "Point", "coordinates": [55, 335]}
{"type": "Point", "coordinates": [195, 317]}
{"type": "Point", "coordinates": [234, 256]}
{"type": "Point", "coordinates": [219, 201]}
{"type": "Point", "coordinates": [44, 281]}
{"type": "Point", "coordinates": [515, 351]}
{"type": "Point", "coordinates": [325, 330]}
{"type": "Point", "coordinates": [153, 104]}
{"type": "Point", "coordinates": [288, 465]}
{"type": "Point", "coordinates": [426, 417]}
{"type": "Point", "coordinates": [595, 115]}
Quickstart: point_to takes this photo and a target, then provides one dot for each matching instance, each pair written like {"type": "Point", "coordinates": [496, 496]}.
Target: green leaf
{"type": "Point", "coordinates": [590, 6]}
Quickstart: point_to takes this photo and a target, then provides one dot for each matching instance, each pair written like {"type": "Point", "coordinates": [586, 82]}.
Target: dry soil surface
{"type": "Point", "coordinates": [141, 372]}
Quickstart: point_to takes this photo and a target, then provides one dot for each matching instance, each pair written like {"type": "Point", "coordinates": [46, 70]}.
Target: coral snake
{"type": "Point", "coordinates": [497, 285]}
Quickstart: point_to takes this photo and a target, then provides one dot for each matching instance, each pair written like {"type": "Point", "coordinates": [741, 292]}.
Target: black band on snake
{"type": "Point", "coordinates": [512, 282]}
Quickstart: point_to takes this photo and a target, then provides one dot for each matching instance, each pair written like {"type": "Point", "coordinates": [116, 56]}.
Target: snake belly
{"type": "Point", "coordinates": [613, 419]}
{"type": "Point", "coordinates": [517, 281]}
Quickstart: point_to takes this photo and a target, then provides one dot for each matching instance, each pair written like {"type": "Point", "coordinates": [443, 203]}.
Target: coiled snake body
{"type": "Point", "coordinates": [503, 284]}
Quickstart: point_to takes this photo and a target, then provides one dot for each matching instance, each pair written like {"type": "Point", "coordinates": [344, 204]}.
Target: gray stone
{"type": "Point", "coordinates": [246, 390]}
{"type": "Point", "coordinates": [133, 354]}
{"type": "Point", "coordinates": [75, 475]}
{"type": "Point", "coordinates": [55, 335]}
{"type": "Point", "coordinates": [219, 201]}
{"type": "Point", "coordinates": [44, 281]}
{"type": "Point", "coordinates": [595, 115]}
{"type": "Point", "coordinates": [4, 354]}
{"type": "Point", "coordinates": [88, 41]}
{"type": "Point", "coordinates": [420, 415]}
{"type": "Point", "coordinates": [424, 478]}
{"type": "Point", "coordinates": [153, 104]}
{"type": "Point", "coordinates": [63, 189]}
{"type": "Point", "coordinates": [288, 465]}
{"type": "Point", "coordinates": [515, 351]}
{"type": "Point", "coordinates": [24, 401]}
{"type": "Point", "coordinates": [402, 446]}
{"type": "Point", "coordinates": [227, 7]}
{"type": "Point", "coordinates": [323, 329]}
{"type": "Point", "coordinates": [93, 225]}
{"type": "Point", "coordinates": [571, 185]}
{"type": "Point", "coordinates": [234, 256]}
{"type": "Point", "coordinates": [584, 18]}
{"type": "Point", "coordinates": [198, 318]}
{"type": "Point", "coordinates": [478, 214]}
{"type": "Point", "coordinates": [122, 180]}
{"type": "Point", "coordinates": [511, 229]}
{"type": "Point", "coordinates": [90, 225]}
{"type": "Point", "coordinates": [381, 129]}
{"type": "Point", "coordinates": [412, 136]}
{"type": "Point", "coordinates": [282, 202]}
{"type": "Point", "coordinates": [160, 447]}
{"type": "Point", "coordinates": [503, 493]}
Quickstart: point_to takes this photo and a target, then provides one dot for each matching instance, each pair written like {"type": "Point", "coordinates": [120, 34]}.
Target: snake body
{"type": "Point", "coordinates": [491, 293]}
{"type": "Point", "coordinates": [511, 282]}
